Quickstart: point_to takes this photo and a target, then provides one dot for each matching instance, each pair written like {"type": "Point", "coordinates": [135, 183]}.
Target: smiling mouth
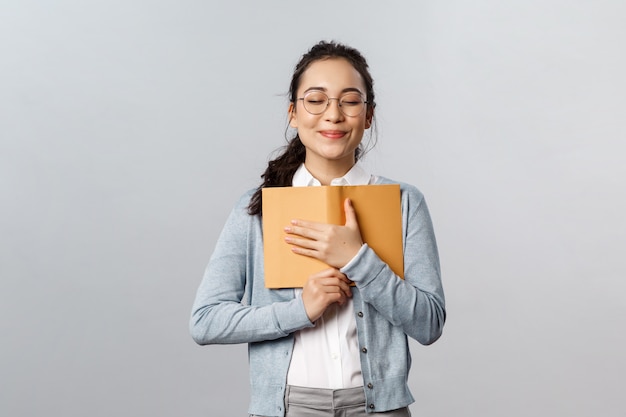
{"type": "Point", "coordinates": [333, 134]}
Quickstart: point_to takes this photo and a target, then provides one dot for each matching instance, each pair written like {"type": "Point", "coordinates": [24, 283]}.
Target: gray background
{"type": "Point", "coordinates": [129, 128]}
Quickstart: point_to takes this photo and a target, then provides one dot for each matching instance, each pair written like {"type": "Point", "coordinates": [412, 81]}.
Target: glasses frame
{"type": "Point", "coordinates": [328, 99]}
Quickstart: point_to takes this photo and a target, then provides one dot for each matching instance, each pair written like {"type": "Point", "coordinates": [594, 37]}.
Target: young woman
{"type": "Point", "coordinates": [329, 347]}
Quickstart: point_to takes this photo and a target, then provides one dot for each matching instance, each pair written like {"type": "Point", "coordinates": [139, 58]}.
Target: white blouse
{"type": "Point", "coordinates": [327, 355]}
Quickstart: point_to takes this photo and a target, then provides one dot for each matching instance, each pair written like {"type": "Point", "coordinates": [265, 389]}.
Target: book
{"type": "Point", "coordinates": [378, 213]}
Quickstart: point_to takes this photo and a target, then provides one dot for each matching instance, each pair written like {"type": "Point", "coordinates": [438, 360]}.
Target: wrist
{"type": "Point", "coordinates": [354, 257]}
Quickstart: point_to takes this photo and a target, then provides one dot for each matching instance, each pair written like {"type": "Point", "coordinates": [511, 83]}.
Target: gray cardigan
{"type": "Point", "coordinates": [232, 305]}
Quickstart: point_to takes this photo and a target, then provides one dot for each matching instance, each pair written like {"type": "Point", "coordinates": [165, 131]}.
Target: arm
{"type": "Point", "coordinates": [415, 303]}
{"type": "Point", "coordinates": [219, 316]}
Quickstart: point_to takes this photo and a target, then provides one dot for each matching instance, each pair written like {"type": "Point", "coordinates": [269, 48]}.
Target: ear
{"type": "Point", "coordinates": [292, 116]}
{"type": "Point", "coordinates": [369, 116]}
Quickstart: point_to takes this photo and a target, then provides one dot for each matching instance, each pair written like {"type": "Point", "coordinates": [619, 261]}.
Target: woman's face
{"type": "Point", "coordinates": [330, 137]}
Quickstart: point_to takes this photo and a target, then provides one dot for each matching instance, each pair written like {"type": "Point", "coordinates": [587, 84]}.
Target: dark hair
{"type": "Point", "coordinates": [280, 171]}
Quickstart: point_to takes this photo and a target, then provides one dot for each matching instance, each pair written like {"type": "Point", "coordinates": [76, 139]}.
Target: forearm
{"type": "Point", "coordinates": [420, 312]}
{"type": "Point", "coordinates": [220, 314]}
{"type": "Point", "coordinates": [224, 322]}
{"type": "Point", "coordinates": [416, 303]}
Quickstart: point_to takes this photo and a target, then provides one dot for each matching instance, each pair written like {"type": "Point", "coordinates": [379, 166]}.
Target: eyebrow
{"type": "Point", "coordinates": [345, 90]}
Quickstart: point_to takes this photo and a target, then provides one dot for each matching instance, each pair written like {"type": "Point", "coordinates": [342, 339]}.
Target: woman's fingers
{"type": "Point", "coordinates": [309, 230]}
{"type": "Point", "coordinates": [335, 285]}
{"type": "Point", "coordinates": [298, 223]}
{"type": "Point", "coordinates": [324, 289]}
{"type": "Point", "coordinates": [348, 209]}
{"type": "Point", "coordinates": [331, 273]}
{"type": "Point", "coordinates": [332, 285]}
{"type": "Point", "coordinates": [302, 243]}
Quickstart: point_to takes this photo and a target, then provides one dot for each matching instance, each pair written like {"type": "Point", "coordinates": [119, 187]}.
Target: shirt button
{"type": "Point", "coordinates": [370, 386]}
{"type": "Point", "coordinates": [364, 350]}
{"type": "Point", "coordinates": [371, 406]}
{"type": "Point", "coordinates": [360, 314]}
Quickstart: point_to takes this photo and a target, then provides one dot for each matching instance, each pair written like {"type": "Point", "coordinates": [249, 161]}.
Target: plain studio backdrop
{"type": "Point", "coordinates": [129, 129]}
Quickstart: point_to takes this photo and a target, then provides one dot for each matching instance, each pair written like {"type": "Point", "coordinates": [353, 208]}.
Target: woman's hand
{"type": "Point", "coordinates": [323, 289]}
{"type": "Point", "coordinates": [332, 244]}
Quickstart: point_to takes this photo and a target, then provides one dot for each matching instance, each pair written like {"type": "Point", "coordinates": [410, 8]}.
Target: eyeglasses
{"type": "Point", "coordinates": [350, 104]}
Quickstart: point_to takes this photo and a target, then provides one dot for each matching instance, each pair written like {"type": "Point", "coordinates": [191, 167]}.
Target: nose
{"type": "Point", "coordinates": [333, 110]}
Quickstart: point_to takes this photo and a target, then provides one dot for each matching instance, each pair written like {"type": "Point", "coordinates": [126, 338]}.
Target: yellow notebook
{"type": "Point", "coordinates": [378, 214]}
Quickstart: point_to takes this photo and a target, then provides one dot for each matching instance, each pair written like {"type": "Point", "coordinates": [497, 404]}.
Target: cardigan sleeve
{"type": "Point", "coordinates": [416, 303]}
{"type": "Point", "coordinates": [219, 314]}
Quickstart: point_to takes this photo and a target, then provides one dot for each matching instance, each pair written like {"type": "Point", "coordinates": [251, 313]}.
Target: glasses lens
{"type": "Point", "coordinates": [352, 104]}
{"type": "Point", "coordinates": [315, 102]}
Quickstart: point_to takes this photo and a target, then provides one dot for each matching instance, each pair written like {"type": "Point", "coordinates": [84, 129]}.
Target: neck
{"type": "Point", "coordinates": [326, 171]}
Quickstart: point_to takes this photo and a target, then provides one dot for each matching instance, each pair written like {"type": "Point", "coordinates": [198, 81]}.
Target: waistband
{"type": "Point", "coordinates": [327, 399]}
